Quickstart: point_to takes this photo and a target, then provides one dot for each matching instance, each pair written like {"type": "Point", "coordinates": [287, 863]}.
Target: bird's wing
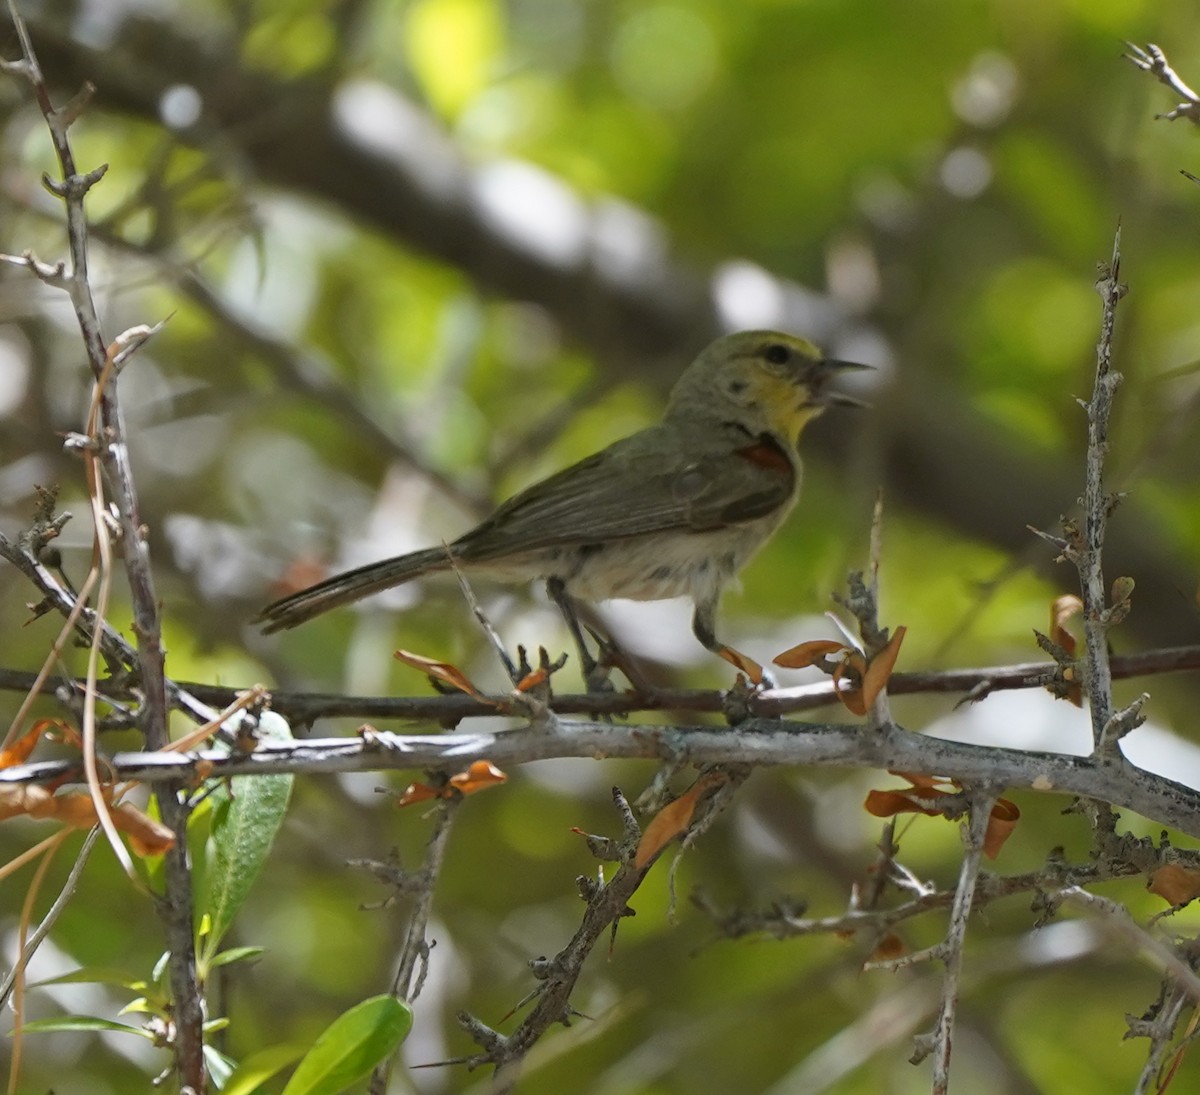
{"type": "Point", "coordinates": [640, 485]}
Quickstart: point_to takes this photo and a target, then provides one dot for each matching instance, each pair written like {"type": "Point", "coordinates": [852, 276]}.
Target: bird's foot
{"type": "Point", "coordinates": [610, 656]}
{"type": "Point", "coordinates": [596, 671]}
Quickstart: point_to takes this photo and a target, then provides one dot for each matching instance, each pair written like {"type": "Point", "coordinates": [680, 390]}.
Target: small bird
{"type": "Point", "coordinates": [673, 510]}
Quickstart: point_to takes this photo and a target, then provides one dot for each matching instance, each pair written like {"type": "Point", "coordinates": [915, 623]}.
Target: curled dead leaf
{"type": "Point", "coordinates": [417, 792]}
{"type": "Point", "coordinates": [1001, 823]}
{"type": "Point", "coordinates": [146, 835]}
{"type": "Point", "coordinates": [808, 653]}
{"type": "Point", "coordinates": [533, 679]}
{"type": "Point", "coordinates": [1063, 609]}
{"type": "Point", "coordinates": [672, 820]}
{"type": "Point", "coordinates": [442, 671]}
{"type": "Point", "coordinates": [19, 751]}
{"type": "Point", "coordinates": [852, 696]}
{"type": "Point", "coordinates": [1175, 884]}
{"type": "Point", "coordinates": [481, 774]}
{"type": "Point", "coordinates": [913, 801]}
{"type": "Point", "coordinates": [880, 669]}
{"type": "Point", "coordinates": [923, 798]}
{"type": "Point", "coordinates": [743, 662]}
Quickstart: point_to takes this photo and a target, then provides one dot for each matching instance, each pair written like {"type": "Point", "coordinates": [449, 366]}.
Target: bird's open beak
{"type": "Point", "coordinates": [829, 368]}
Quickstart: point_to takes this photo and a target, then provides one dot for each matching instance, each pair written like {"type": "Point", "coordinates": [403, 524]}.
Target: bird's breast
{"type": "Point", "coordinates": [677, 564]}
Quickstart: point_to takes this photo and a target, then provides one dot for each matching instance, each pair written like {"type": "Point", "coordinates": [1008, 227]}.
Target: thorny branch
{"type": "Point", "coordinates": [197, 699]}
{"type": "Point", "coordinates": [763, 742]}
{"type": "Point", "coordinates": [1097, 616]}
{"type": "Point", "coordinates": [419, 885]}
{"type": "Point", "coordinates": [175, 906]}
{"type": "Point", "coordinates": [607, 903]}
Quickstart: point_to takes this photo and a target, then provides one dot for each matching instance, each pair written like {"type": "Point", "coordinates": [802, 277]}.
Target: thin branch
{"type": "Point", "coordinates": [118, 654]}
{"type": "Point", "coordinates": [1117, 921]}
{"type": "Point", "coordinates": [785, 920]}
{"type": "Point", "coordinates": [197, 700]}
{"type": "Point", "coordinates": [52, 914]}
{"type": "Point", "coordinates": [952, 949]}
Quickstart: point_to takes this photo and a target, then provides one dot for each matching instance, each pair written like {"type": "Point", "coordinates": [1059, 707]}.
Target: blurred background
{"type": "Point", "coordinates": [419, 254]}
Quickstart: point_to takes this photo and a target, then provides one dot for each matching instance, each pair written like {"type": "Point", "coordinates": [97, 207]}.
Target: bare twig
{"type": "Point", "coordinates": [52, 914]}
{"type": "Point", "coordinates": [1115, 919]}
{"type": "Point", "coordinates": [1152, 59]}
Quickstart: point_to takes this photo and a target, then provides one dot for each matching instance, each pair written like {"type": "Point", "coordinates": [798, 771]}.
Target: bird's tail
{"type": "Point", "coordinates": [353, 585]}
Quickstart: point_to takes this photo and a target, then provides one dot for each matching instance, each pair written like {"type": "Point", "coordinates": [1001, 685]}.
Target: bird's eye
{"type": "Point", "coordinates": [777, 353]}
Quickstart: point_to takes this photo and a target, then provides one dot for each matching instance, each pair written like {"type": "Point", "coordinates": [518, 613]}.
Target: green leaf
{"type": "Point", "coordinates": [259, 1067]}
{"type": "Point", "coordinates": [246, 816]}
{"type": "Point", "coordinates": [82, 1022]}
{"type": "Point", "coordinates": [97, 975]}
{"type": "Point", "coordinates": [219, 1066]}
{"type": "Point", "coordinates": [354, 1043]}
{"type": "Point", "coordinates": [234, 954]}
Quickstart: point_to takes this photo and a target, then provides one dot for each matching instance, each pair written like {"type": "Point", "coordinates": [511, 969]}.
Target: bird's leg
{"type": "Point", "coordinates": [704, 628]}
{"type": "Point", "coordinates": [612, 656]}
{"type": "Point", "coordinates": [595, 674]}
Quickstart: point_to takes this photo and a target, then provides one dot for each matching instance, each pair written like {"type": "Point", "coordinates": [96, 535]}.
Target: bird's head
{"type": "Point", "coordinates": [765, 381]}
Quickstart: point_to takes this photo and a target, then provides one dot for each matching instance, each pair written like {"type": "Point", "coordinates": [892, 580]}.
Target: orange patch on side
{"type": "Point", "coordinates": [767, 454]}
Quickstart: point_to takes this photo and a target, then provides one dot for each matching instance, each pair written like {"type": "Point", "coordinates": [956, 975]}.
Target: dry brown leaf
{"type": "Point", "coordinates": [19, 751]}
{"type": "Point", "coordinates": [876, 677]}
{"type": "Point", "coordinates": [809, 653]}
{"type": "Point", "coordinates": [533, 679]}
{"type": "Point", "coordinates": [1001, 823]}
{"type": "Point", "coordinates": [852, 697]}
{"type": "Point", "coordinates": [417, 792]}
{"type": "Point", "coordinates": [889, 948]}
{"type": "Point", "coordinates": [913, 801]}
{"type": "Point", "coordinates": [442, 671]}
{"type": "Point", "coordinates": [17, 800]}
{"type": "Point", "coordinates": [146, 836]}
{"type": "Point", "coordinates": [481, 774]}
{"type": "Point", "coordinates": [922, 798]}
{"type": "Point", "coordinates": [743, 662]}
{"type": "Point", "coordinates": [1176, 885]}
{"type": "Point", "coordinates": [1063, 609]}
{"type": "Point", "coordinates": [671, 821]}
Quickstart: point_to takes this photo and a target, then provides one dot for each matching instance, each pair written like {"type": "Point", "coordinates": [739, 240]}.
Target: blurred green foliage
{"type": "Point", "coordinates": [946, 176]}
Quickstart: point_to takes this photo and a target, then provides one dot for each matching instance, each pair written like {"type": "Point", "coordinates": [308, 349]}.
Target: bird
{"type": "Point", "coordinates": [675, 509]}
